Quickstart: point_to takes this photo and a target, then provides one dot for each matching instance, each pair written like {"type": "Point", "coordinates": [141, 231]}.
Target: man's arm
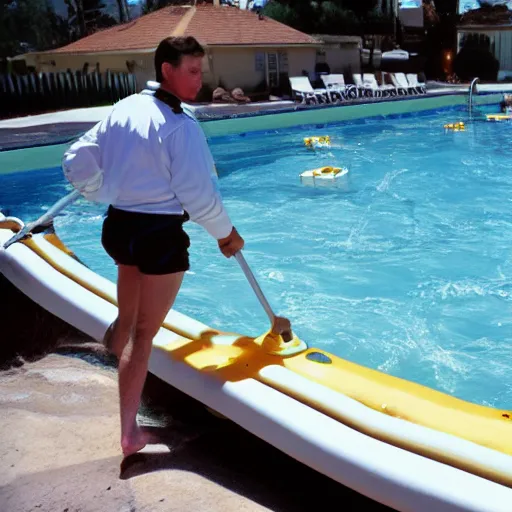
{"type": "Point", "coordinates": [81, 164]}
{"type": "Point", "coordinates": [191, 179]}
{"type": "Point", "coordinates": [192, 169]}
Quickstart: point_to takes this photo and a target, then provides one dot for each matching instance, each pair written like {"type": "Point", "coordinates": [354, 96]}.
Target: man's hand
{"type": "Point", "coordinates": [231, 244]}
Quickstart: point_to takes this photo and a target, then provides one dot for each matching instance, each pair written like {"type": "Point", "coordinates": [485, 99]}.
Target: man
{"type": "Point", "coordinates": [151, 163]}
{"type": "Point", "coordinates": [506, 104]}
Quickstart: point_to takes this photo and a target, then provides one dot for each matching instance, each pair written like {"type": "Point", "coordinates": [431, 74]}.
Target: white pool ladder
{"type": "Point", "coordinates": [472, 88]}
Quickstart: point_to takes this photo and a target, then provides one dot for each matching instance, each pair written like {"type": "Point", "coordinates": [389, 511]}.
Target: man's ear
{"type": "Point", "coordinates": [167, 71]}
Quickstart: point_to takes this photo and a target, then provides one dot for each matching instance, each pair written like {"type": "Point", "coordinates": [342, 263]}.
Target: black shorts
{"type": "Point", "coordinates": [154, 243]}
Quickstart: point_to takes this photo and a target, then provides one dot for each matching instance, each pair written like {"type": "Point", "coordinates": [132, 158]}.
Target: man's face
{"type": "Point", "coordinates": [185, 80]}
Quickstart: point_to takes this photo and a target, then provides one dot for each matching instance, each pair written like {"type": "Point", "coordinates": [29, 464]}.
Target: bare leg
{"type": "Point", "coordinates": [128, 291]}
{"type": "Point", "coordinates": [156, 297]}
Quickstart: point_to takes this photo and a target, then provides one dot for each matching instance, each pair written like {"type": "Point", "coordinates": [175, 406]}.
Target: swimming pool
{"type": "Point", "coordinates": [405, 269]}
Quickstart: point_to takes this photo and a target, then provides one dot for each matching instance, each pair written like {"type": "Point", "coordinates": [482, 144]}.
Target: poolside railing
{"type": "Point", "coordinates": [45, 92]}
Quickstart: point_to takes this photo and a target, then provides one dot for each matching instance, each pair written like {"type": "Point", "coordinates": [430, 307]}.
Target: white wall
{"type": "Point", "coordinates": [340, 59]}
{"type": "Point", "coordinates": [412, 17]}
{"type": "Point", "coordinates": [299, 59]}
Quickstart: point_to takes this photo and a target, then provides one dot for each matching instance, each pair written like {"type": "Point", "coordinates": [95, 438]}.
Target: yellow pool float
{"type": "Point", "coordinates": [327, 175]}
{"type": "Point", "coordinates": [327, 171]}
{"type": "Point", "coordinates": [323, 141]}
{"type": "Point", "coordinates": [499, 117]}
{"type": "Point", "coordinates": [456, 127]}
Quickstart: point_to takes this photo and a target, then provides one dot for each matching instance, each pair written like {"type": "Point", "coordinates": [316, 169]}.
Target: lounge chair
{"type": "Point", "coordinates": [379, 91]}
{"type": "Point", "coordinates": [412, 80]}
{"type": "Point", "coordinates": [364, 89]}
{"type": "Point", "coordinates": [337, 89]}
{"type": "Point", "coordinates": [302, 89]}
{"type": "Point", "coordinates": [400, 89]}
{"type": "Point", "coordinates": [403, 83]}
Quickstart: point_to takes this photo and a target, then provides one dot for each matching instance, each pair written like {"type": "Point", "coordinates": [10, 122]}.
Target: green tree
{"type": "Point", "coordinates": [282, 13]}
{"type": "Point", "coordinates": [29, 25]}
{"type": "Point", "coordinates": [360, 7]}
{"type": "Point", "coordinates": [87, 16]}
{"type": "Point", "coordinates": [322, 16]}
{"type": "Point", "coordinates": [299, 14]}
{"type": "Point", "coordinates": [334, 19]}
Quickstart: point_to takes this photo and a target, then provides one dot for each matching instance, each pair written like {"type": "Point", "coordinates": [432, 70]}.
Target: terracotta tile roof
{"type": "Point", "coordinates": [209, 24]}
{"type": "Point", "coordinates": [229, 25]}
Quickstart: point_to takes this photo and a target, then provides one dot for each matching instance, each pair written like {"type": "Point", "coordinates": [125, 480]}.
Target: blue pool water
{"type": "Point", "coordinates": [405, 269]}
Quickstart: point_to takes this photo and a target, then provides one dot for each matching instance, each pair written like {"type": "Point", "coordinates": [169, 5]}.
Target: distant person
{"type": "Point", "coordinates": [506, 104]}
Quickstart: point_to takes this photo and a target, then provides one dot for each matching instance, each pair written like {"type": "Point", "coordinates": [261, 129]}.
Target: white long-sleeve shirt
{"type": "Point", "coordinates": [145, 158]}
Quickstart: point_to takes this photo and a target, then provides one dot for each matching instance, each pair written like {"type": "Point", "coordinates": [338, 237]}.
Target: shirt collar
{"type": "Point", "coordinates": [168, 98]}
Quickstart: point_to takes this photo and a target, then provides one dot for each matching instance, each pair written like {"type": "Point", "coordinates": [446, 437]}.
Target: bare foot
{"type": "Point", "coordinates": [136, 440]}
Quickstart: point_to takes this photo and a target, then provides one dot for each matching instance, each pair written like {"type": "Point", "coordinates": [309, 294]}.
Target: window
{"type": "Point", "coordinates": [272, 70]}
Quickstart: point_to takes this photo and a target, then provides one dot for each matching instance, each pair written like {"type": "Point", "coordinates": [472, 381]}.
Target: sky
{"type": "Point", "coordinates": [408, 4]}
{"type": "Point", "coordinates": [467, 5]}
